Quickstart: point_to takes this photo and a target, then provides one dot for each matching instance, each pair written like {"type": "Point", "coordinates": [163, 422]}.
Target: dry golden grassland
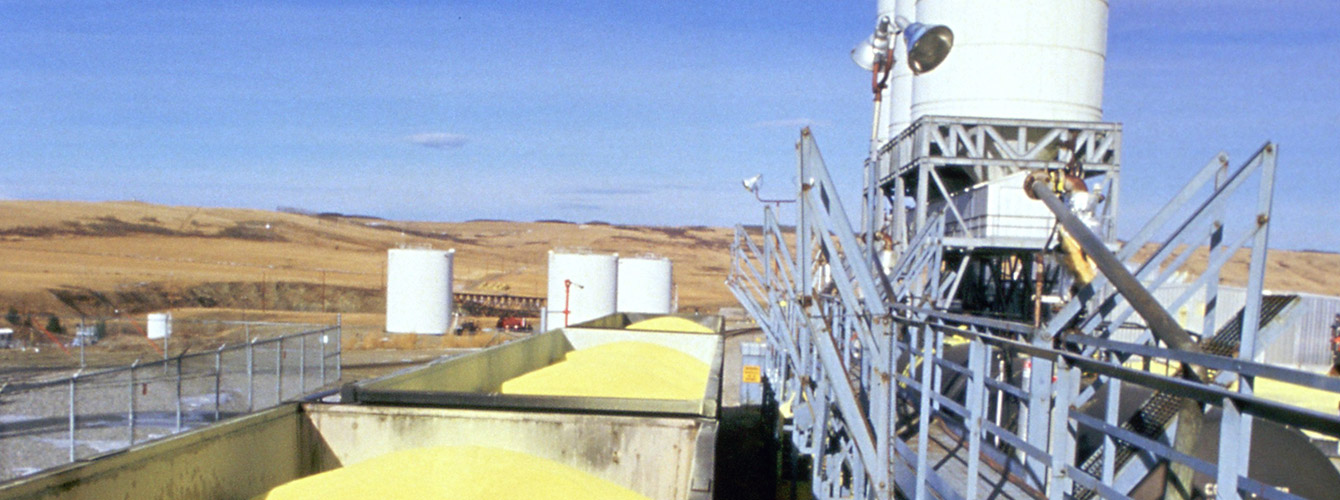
{"type": "Point", "coordinates": [75, 259]}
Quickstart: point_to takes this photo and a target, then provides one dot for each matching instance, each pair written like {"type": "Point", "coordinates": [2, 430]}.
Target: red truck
{"type": "Point", "coordinates": [514, 324]}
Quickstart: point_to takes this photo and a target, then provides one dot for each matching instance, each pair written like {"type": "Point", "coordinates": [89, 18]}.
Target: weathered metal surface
{"type": "Point", "coordinates": [663, 458]}
{"type": "Point", "coordinates": [237, 459]}
{"type": "Point", "coordinates": [473, 380]}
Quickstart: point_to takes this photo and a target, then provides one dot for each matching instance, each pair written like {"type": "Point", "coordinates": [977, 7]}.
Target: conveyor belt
{"type": "Point", "coordinates": [1157, 413]}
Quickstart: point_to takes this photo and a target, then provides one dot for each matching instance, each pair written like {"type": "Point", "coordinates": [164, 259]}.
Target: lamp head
{"type": "Point", "coordinates": [870, 51]}
{"type": "Point", "coordinates": [927, 45]}
{"type": "Point", "coordinates": [751, 184]}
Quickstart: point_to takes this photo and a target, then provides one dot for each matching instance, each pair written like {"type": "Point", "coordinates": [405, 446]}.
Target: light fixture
{"type": "Point", "coordinates": [751, 185]}
{"type": "Point", "coordinates": [870, 51]}
{"type": "Point", "coordinates": [927, 46]}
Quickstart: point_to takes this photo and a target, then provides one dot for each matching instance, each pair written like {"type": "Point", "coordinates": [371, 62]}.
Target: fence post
{"type": "Point", "coordinates": [179, 392]}
{"type": "Point", "coordinates": [978, 353]}
{"type": "Point", "coordinates": [251, 374]}
{"type": "Point", "coordinates": [218, 378]}
{"type": "Point", "coordinates": [325, 334]}
{"type": "Point", "coordinates": [1109, 442]}
{"type": "Point", "coordinates": [923, 421]}
{"type": "Point", "coordinates": [279, 372]}
{"type": "Point", "coordinates": [302, 363]}
{"type": "Point", "coordinates": [1230, 451]}
{"type": "Point", "coordinates": [339, 346]}
{"type": "Point", "coordinates": [130, 417]}
{"type": "Point", "coordinates": [1059, 483]}
{"type": "Point", "coordinates": [74, 379]}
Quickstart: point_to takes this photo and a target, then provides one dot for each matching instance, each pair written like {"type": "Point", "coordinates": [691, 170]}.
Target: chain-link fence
{"type": "Point", "coordinates": [48, 423]}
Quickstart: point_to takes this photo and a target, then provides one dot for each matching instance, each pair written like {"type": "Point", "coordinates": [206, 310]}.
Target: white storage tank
{"type": "Point", "coordinates": [591, 295]}
{"type": "Point", "coordinates": [160, 326]}
{"type": "Point", "coordinates": [897, 107]}
{"type": "Point", "coordinates": [645, 285]}
{"type": "Point", "coordinates": [1020, 59]}
{"type": "Point", "coordinates": [418, 290]}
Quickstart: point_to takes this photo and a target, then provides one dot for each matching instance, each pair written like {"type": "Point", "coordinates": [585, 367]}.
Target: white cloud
{"type": "Point", "coordinates": [439, 140]}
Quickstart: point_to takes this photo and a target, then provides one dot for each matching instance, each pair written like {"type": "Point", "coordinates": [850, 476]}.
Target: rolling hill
{"type": "Point", "coordinates": [75, 258]}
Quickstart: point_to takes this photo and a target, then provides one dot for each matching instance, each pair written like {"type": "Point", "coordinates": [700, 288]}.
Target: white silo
{"type": "Point", "coordinates": [418, 290]}
{"type": "Point", "coordinates": [897, 107]}
{"type": "Point", "coordinates": [160, 326]}
{"type": "Point", "coordinates": [1016, 59]}
{"type": "Point", "coordinates": [584, 283]}
{"type": "Point", "coordinates": [645, 285]}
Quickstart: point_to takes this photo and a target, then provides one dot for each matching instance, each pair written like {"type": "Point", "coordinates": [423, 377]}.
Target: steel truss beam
{"type": "Point", "coordinates": [937, 158]}
{"type": "Point", "coordinates": [861, 353]}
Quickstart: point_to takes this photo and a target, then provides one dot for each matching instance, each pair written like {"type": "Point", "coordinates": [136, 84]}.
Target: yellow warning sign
{"type": "Point", "coordinates": [752, 374]}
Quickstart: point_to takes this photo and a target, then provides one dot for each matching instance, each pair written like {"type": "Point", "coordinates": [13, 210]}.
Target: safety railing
{"type": "Point", "coordinates": [48, 423]}
{"type": "Point", "coordinates": [890, 390]}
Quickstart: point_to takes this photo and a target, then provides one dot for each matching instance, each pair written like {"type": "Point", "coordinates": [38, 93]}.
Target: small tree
{"type": "Point", "coordinates": [13, 317]}
{"type": "Point", "coordinates": [53, 325]}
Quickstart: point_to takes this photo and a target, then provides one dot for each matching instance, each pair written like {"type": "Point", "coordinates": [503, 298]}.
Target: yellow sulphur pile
{"type": "Point", "coordinates": [669, 324]}
{"type": "Point", "coordinates": [457, 472]}
{"type": "Point", "coordinates": [618, 370]}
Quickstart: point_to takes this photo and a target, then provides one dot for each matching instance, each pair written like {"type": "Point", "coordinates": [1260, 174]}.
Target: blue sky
{"type": "Point", "coordinates": [627, 112]}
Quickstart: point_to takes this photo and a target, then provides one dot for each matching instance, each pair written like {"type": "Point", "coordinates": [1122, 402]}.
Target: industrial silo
{"type": "Point", "coordinates": [645, 285]}
{"type": "Point", "coordinates": [897, 107]}
{"type": "Point", "coordinates": [581, 287]}
{"type": "Point", "coordinates": [1016, 59]}
{"type": "Point", "coordinates": [418, 290]}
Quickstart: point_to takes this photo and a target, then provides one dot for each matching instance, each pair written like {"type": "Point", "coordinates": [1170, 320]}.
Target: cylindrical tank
{"type": "Point", "coordinates": [591, 295]}
{"type": "Point", "coordinates": [898, 100]}
{"type": "Point", "coordinates": [645, 285]}
{"type": "Point", "coordinates": [160, 326]}
{"type": "Point", "coordinates": [1023, 59]}
{"type": "Point", "coordinates": [418, 290]}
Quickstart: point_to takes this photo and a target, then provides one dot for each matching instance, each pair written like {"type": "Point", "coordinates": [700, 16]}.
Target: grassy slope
{"type": "Point", "coordinates": [109, 247]}
{"type": "Point", "coordinates": [118, 246]}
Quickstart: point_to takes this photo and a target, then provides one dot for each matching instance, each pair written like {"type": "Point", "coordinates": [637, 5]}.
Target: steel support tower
{"type": "Point", "coordinates": [898, 384]}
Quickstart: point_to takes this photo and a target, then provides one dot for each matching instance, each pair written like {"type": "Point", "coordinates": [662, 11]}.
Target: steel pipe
{"type": "Point", "coordinates": [1162, 324]}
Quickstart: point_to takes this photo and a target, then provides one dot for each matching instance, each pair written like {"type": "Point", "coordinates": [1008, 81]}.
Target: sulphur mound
{"type": "Point", "coordinates": [618, 370]}
{"type": "Point", "coordinates": [669, 324]}
{"type": "Point", "coordinates": [457, 472]}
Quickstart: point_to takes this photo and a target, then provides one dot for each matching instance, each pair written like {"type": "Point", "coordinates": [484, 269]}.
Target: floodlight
{"type": "Point", "coordinates": [751, 184]}
{"type": "Point", "coordinates": [868, 52]}
{"type": "Point", "coordinates": [927, 45]}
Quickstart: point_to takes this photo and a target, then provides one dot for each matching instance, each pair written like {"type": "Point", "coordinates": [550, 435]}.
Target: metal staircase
{"type": "Point", "coordinates": [869, 356]}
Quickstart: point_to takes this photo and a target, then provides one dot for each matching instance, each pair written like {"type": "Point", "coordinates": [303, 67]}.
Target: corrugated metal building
{"type": "Point", "coordinates": [1303, 340]}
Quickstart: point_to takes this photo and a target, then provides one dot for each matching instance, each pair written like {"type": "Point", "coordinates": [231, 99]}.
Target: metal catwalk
{"type": "Point", "coordinates": [900, 382]}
